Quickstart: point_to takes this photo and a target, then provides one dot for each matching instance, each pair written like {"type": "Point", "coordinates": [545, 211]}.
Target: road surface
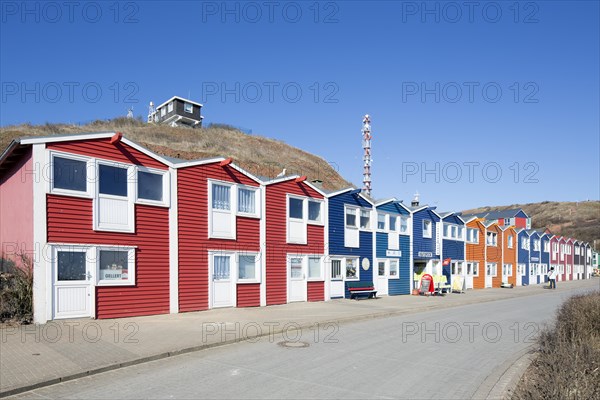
{"type": "Point", "coordinates": [453, 353]}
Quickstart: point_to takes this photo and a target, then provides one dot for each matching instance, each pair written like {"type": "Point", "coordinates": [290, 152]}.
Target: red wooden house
{"type": "Point", "coordinates": [219, 218]}
{"type": "Point", "coordinates": [568, 275]}
{"type": "Point", "coordinates": [555, 261]}
{"type": "Point", "coordinates": [295, 220]}
{"type": "Point", "coordinates": [93, 215]}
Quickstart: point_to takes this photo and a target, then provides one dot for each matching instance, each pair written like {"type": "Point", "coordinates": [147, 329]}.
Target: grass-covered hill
{"type": "Point", "coordinates": [257, 154]}
{"type": "Point", "coordinates": [579, 220]}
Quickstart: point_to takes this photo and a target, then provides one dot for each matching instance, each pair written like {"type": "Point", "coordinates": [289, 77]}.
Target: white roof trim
{"type": "Point", "coordinates": [66, 138]}
{"type": "Point", "coordinates": [248, 174]}
{"type": "Point", "coordinates": [193, 163]}
{"type": "Point", "coordinates": [315, 188]}
{"type": "Point", "coordinates": [382, 202]}
{"type": "Point", "coordinates": [341, 191]}
{"type": "Point", "coordinates": [279, 180]}
{"type": "Point", "coordinates": [179, 98]}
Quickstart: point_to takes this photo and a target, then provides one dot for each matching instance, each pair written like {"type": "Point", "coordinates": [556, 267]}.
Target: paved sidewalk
{"type": "Point", "coordinates": [40, 355]}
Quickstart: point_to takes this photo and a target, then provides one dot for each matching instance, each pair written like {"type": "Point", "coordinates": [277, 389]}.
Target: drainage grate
{"type": "Point", "coordinates": [293, 345]}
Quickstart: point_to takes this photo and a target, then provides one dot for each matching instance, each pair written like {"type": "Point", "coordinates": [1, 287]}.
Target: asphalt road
{"type": "Point", "coordinates": [453, 353]}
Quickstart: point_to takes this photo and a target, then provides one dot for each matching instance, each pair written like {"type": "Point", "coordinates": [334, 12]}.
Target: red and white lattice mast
{"type": "Point", "coordinates": [366, 131]}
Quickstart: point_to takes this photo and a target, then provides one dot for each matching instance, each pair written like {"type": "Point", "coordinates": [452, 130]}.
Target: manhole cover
{"type": "Point", "coordinates": [293, 345]}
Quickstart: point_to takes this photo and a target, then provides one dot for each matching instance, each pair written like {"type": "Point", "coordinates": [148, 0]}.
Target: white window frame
{"type": "Point", "coordinates": [494, 239]}
{"type": "Point", "coordinates": [385, 222]}
{"type": "Point", "coordinates": [352, 232]}
{"type": "Point", "coordinates": [187, 105]}
{"type": "Point", "coordinates": [166, 186]}
{"type": "Point", "coordinates": [475, 237]}
{"type": "Point", "coordinates": [356, 219]}
{"type": "Point", "coordinates": [393, 228]}
{"type": "Point", "coordinates": [257, 267]}
{"type": "Point", "coordinates": [344, 266]}
{"type": "Point", "coordinates": [494, 270]}
{"type": "Point", "coordinates": [342, 271]}
{"type": "Point", "coordinates": [510, 241]}
{"type": "Point", "coordinates": [389, 268]}
{"type": "Point", "coordinates": [360, 211]}
{"type": "Point", "coordinates": [163, 111]}
{"type": "Point", "coordinates": [232, 210]}
{"type": "Point", "coordinates": [475, 268]}
{"type": "Point", "coordinates": [507, 270]}
{"type": "Point", "coordinates": [90, 175]}
{"type": "Point", "coordinates": [407, 220]}
{"type": "Point", "coordinates": [321, 205]}
{"type": "Point", "coordinates": [130, 198]}
{"type": "Point", "coordinates": [321, 276]}
{"type": "Point", "coordinates": [536, 244]}
{"type": "Point", "coordinates": [427, 233]}
{"type": "Point", "coordinates": [546, 246]}
{"type": "Point", "coordinates": [257, 204]}
{"type": "Point", "coordinates": [170, 107]}
{"type": "Point", "coordinates": [131, 270]}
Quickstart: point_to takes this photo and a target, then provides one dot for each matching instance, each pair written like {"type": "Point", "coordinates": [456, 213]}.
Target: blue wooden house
{"type": "Point", "coordinates": [426, 235]}
{"type": "Point", "coordinates": [393, 272]}
{"type": "Point", "coordinates": [350, 241]}
{"type": "Point", "coordinates": [544, 255]}
{"type": "Point", "coordinates": [453, 246]}
{"type": "Point", "coordinates": [535, 257]}
{"type": "Point", "coordinates": [523, 257]}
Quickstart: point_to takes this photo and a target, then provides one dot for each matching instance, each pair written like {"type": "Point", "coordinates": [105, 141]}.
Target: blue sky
{"type": "Point", "coordinates": [456, 95]}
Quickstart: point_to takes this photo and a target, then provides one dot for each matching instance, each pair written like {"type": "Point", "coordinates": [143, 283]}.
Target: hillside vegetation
{"type": "Point", "coordinates": [579, 220]}
{"type": "Point", "coordinates": [258, 155]}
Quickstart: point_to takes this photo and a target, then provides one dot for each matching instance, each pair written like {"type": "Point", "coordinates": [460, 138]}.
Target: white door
{"type": "Point", "coordinates": [223, 284]}
{"type": "Point", "coordinates": [73, 288]}
{"type": "Point", "coordinates": [505, 272]}
{"type": "Point", "coordinates": [297, 274]}
{"type": "Point", "coordinates": [520, 267]}
{"type": "Point", "coordinates": [382, 278]}
{"type": "Point", "coordinates": [336, 285]}
{"type": "Point", "coordinates": [469, 275]}
{"type": "Point", "coordinates": [488, 275]}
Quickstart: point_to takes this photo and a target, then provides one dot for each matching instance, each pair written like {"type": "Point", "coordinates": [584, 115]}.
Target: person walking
{"type": "Point", "coordinates": [552, 278]}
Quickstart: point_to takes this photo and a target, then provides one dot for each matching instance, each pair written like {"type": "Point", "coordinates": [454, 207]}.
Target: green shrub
{"type": "Point", "coordinates": [16, 290]}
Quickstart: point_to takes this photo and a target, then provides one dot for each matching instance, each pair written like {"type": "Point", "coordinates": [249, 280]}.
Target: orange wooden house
{"type": "Point", "coordinates": [509, 253]}
{"type": "Point", "coordinates": [475, 252]}
{"type": "Point", "coordinates": [493, 254]}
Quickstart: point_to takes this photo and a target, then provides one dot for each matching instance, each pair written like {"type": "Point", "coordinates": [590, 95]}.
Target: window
{"type": "Point", "coordinates": [314, 268]}
{"type": "Point", "coordinates": [71, 266]}
{"type": "Point", "coordinates": [381, 268]}
{"type": "Point", "coordinates": [403, 225]}
{"type": "Point", "coordinates": [525, 243]}
{"type": "Point", "coordinates": [506, 221]}
{"type": "Point", "coordinates": [248, 268]}
{"type": "Point", "coordinates": [473, 235]}
{"type": "Point", "coordinates": [365, 219]}
{"type": "Point", "coordinates": [381, 222]}
{"type": "Point", "coordinates": [351, 217]}
{"type": "Point", "coordinates": [491, 239]}
{"type": "Point", "coordinates": [427, 230]}
{"type": "Point", "coordinates": [491, 269]}
{"type": "Point", "coordinates": [531, 269]}
{"type": "Point", "coordinates": [521, 269]}
{"type": "Point", "coordinates": [461, 235]}
{"type": "Point", "coordinates": [546, 246]}
{"type": "Point", "coordinates": [472, 269]}
{"type": "Point", "coordinates": [150, 186]}
{"type": "Point", "coordinates": [475, 269]}
{"type": "Point", "coordinates": [536, 245]}
{"type": "Point", "coordinates": [295, 209]}
{"type": "Point", "coordinates": [336, 270]}
{"type": "Point", "coordinates": [394, 269]}
{"type": "Point", "coordinates": [507, 270]}
{"type": "Point", "coordinates": [221, 267]}
{"type": "Point", "coordinates": [453, 232]}
{"type": "Point", "coordinates": [352, 268]}
{"type": "Point", "coordinates": [113, 180]}
{"type": "Point", "coordinates": [454, 268]}
{"type": "Point", "coordinates": [247, 201]}
{"type": "Point", "coordinates": [221, 197]}
{"type": "Point", "coordinates": [393, 223]}
{"type": "Point", "coordinates": [188, 108]}
{"type": "Point", "coordinates": [510, 241]}
{"type": "Point", "coordinates": [170, 107]}
{"type": "Point", "coordinates": [163, 112]}
{"type": "Point", "coordinates": [116, 266]}
{"type": "Point", "coordinates": [69, 174]}
{"type": "Point", "coordinates": [314, 211]}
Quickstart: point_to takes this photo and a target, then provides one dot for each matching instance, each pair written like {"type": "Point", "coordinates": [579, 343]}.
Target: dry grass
{"type": "Point", "coordinates": [258, 155]}
{"type": "Point", "coordinates": [568, 362]}
{"type": "Point", "coordinates": [580, 220]}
